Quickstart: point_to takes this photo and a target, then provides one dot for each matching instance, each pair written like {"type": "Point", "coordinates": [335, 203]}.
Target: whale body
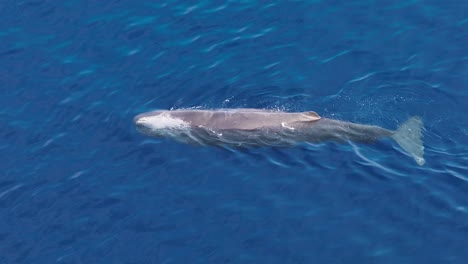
{"type": "Point", "coordinates": [259, 127]}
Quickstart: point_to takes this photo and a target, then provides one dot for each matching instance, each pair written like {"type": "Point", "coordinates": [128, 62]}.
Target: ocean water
{"type": "Point", "coordinates": [78, 183]}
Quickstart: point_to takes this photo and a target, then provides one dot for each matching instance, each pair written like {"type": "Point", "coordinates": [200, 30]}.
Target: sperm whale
{"type": "Point", "coordinates": [260, 127]}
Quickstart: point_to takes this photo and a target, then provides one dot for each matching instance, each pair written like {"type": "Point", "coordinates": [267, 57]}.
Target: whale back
{"type": "Point", "coordinates": [242, 119]}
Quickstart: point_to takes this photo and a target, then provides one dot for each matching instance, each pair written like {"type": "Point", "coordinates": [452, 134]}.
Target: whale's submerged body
{"type": "Point", "coordinates": [257, 127]}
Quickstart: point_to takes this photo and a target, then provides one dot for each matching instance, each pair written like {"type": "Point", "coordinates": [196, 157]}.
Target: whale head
{"type": "Point", "coordinates": [160, 124]}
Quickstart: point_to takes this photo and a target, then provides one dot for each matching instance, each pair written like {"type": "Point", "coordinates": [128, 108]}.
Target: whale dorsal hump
{"type": "Point", "coordinates": [313, 116]}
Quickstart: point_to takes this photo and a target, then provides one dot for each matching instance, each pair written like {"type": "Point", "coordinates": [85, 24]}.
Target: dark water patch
{"type": "Point", "coordinates": [11, 52]}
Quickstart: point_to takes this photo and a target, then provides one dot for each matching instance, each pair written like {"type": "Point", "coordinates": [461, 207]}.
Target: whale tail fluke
{"type": "Point", "coordinates": [409, 137]}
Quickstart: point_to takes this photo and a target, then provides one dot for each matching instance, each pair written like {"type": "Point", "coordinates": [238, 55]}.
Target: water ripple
{"type": "Point", "coordinates": [80, 183]}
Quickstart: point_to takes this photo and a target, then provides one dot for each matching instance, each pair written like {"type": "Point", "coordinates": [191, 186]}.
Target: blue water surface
{"type": "Point", "coordinates": [79, 184]}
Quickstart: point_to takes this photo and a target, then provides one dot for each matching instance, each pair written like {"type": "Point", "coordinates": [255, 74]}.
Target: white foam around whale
{"type": "Point", "coordinates": [163, 121]}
